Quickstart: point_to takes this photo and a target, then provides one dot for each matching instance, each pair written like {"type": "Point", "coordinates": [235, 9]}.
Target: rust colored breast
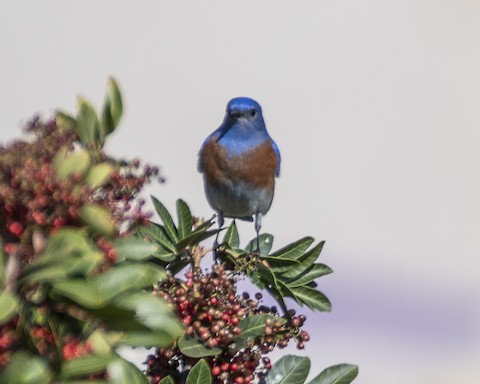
{"type": "Point", "coordinates": [255, 167]}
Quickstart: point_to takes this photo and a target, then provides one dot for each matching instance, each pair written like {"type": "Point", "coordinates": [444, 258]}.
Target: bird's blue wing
{"type": "Point", "coordinates": [279, 158]}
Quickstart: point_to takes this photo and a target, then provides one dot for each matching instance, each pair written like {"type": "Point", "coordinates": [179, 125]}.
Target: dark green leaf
{"type": "Point", "coordinates": [157, 233]}
{"type": "Point", "coordinates": [231, 236]}
{"type": "Point", "coordinates": [113, 101]}
{"type": "Point", "coordinates": [133, 248]}
{"type": "Point", "coordinates": [312, 298]}
{"type": "Point", "coordinates": [255, 279]}
{"type": "Point", "coordinates": [85, 365]}
{"type": "Point", "coordinates": [337, 374]}
{"type": "Point", "coordinates": [306, 262]}
{"type": "Point", "coordinates": [25, 369]}
{"type": "Point", "coordinates": [194, 347]}
{"type": "Point", "coordinates": [184, 219]}
{"type": "Point", "coordinates": [200, 374]}
{"type": "Point", "coordinates": [195, 238]}
{"type": "Point", "coordinates": [9, 304]}
{"type": "Point", "coordinates": [289, 370]}
{"type": "Point", "coordinates": [294, 250]}
{"type": "Point", "coordinates": [266, 243]}
{"type": "Point", "coordinates": [177, 265]}
{"type": "Point", "coordinates": [169, 225]}
{"type": "Point", "coordinates": [278, 266]}
{"type": "Point", "coordinates": [165, 257]}
{"type": "Point", "coordinates": [266, 275]}
{"type": "Point", "coordinates": [124, 372]}
{"type": "Point", "coordinates": [309, 275]}
{"type": "Point", "coordinates": [87, 126]}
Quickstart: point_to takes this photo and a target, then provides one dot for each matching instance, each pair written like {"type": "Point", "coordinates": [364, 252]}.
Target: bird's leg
{"type": "Point", "coordinates": [221, 221]}
{"type": "Point", "coordinates": [258, 225]}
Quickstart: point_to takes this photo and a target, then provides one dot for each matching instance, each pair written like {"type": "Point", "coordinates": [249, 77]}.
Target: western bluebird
{"type": "Point", "coordinates": [239, 162]}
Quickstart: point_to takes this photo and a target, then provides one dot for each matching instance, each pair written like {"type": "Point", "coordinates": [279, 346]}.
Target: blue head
{"type": "Point", "coordinates": [243, 127]}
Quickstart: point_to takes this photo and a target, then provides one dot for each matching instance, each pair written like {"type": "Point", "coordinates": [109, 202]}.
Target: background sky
{"type": "Point", "coordinates": [375, 106]}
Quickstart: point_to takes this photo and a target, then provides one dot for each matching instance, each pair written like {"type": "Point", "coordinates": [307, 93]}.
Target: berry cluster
{"type": "Point", "coordinates": [8, 340]}
{"type": "Point", "coordinates": [33, 198]}
{"type": "Point", "coordinates": [212, 312]}
{"type": "Point", "coordinates": [34, 203]}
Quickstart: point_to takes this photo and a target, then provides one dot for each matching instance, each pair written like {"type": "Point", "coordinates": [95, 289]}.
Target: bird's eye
{"type": "Point", "coordinates": [253, 112]}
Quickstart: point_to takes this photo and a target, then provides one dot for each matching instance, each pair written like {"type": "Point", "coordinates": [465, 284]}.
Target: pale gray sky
{"type": "Point", "coordinates": [375, 106]}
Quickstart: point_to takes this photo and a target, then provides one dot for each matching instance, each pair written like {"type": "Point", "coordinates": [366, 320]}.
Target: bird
{"type": "Point", "coordinates": [239, 162]}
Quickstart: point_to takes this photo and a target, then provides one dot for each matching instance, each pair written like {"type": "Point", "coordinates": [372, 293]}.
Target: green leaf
{"type": "Point", "coordinates": [69, 163]}
{"type": "Point", "coordinates": [98, 218]}
{"type": "Point", "coordinates": [64, 242]}
{"type": "Point", "coordinates": [157, 233]}
{"type": "Point", "coordinates": [184, 219]}
{"type": "Point", "coordinates": [200, 374]}
{"type": "Point", "coordinates": [146, 339]}
{"type": "Point", "coordinates": [306, 262]}
{"type": "Point", "coordinates": [87, 126]}
{"type": "Point", "coordinates": [113, 106]}
{"type": "Point", "coordinates": [167, 380]}
{"type": "Point", "coordinates": [46, 273]}
{"type": "Point", "coordinates": [231, 236]}
{"type": "Point", "coordinates": [25, 369]}
{"type": "Point", "coordinates": [337, 374]}
{"type": "Point", "coordinates": [64, 119]}
{"type": "Point", "coordinates": [195, 238]}
{"type": "Point", "coordinates": [289, 370]}
{"type": "Point", "coordinates": [315, 271]}
{"type": "Point", "coordinates": [278, 266]}
{"type": "Point", "coordinates": [85, 365]}
{"type": "Point", "coordinates": [126, 277]}
{"type": "Point", "coordinates": [266, 275]}
{"type": "Point", "coordinates": [153, 312]}
{"type": "Point", "coordinates": [68, 252]}
{"type": "Point", "coordinates": [166, 257]}
{"type": "Point", "coordinates": [253, 326]}
{"type": "Point", "coordinates": [312, 298]}
{"type": "Point", "coordinates": [78, 290]}
{"type": "Point", "coordinates": [124, 372]}
{"type": "Point", "coordinates": [9, 305]}
{"type": "Point", "coordinates": [133, 248]}
{"type": "Point", "coordinates": [255, 279]}
{"type": "Point", "coordinates": [194, 347]}
{"type": "Point", "coordinates": [167, 220]}
{"type": "Point", "coordinates": [266, 243]}
{"type": "Point", "coordinates": [294, 250]}
{"type": "Point", "coordinates": [99, 175]}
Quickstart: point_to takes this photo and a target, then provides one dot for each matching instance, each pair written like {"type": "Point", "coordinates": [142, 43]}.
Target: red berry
{"type": "Point", "coordinates": [16, 228]}
{"type": "Point", "coordinates": [216, 370]}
